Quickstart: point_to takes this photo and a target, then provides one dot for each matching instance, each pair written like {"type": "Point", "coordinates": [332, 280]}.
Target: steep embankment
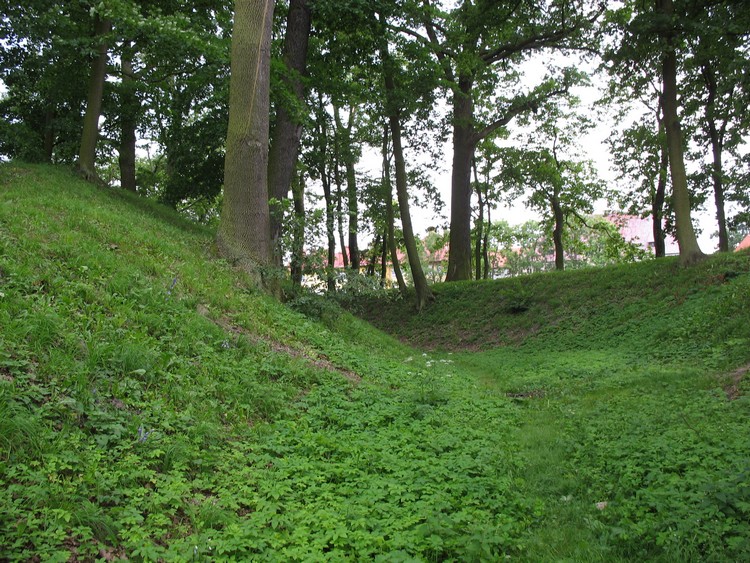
{"type": "Point", "coordinates": [154, 406]}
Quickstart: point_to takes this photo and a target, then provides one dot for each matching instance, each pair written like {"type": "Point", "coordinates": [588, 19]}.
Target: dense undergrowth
{"type": "Point", "coordinates": [633, 383]}
{"type": "Point", "coordinates": [153, 406]}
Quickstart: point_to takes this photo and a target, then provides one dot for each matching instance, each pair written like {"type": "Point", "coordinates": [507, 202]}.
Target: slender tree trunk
{"type": "Point", "coordinates": [374, 253]}
{"type": "Point", "coordinates": [717, 147]}
{"type": "Point", "coordinates": [89, 136]}
{"type": "Point", "coordinates": [657, 209]}
{"type": "Point", "coordinates": [129, 109]}
{"type": "Point", "coordinates": [423, 291]}
{"type": "Point", "coordinates": [480, 226]}
{"type": "Point", "coordinates": [459, 257]}
{"type": "Point", "coordinates": [557, 233]}
{"type": "Point", "coordinates": [690, 252]}
{"type": "Point", "coordinates": [351, 183]}
{"type": "Point", "coordinates": [49, 134]}
{"type": "Point", "coordinates": [331, 237]}
{"type": "Point", "coordinates": [340, 221]}
{"type": "Point", "coordinates": [485, 244]}
{"type": "Point", "coordinates": [298, 244]}
{"type": "Point", "coordinates": [287, 131]}
{"type": "Point", "coordinates": [325, 178]}
{"type": "Point", "coordinates": [244, 230]}
{"type": "Point", "coordinates": [389, 215]}
{"type": "Point", "coordinates": [384, 260]}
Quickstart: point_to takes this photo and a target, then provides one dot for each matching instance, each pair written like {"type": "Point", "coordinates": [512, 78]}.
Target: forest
{"type": "Point", "coordinates": [227, 333]}
{"type": "Point", "coordinates": [139, 95]}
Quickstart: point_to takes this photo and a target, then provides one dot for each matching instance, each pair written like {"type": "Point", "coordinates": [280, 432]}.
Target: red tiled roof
{"type": "Point", "coordinates": [744, 244]}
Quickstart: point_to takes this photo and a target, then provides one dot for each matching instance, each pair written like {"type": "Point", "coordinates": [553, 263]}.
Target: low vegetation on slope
{"type": "Point", "coordinates": [635, 432]}
{"type": "Point", "coordinates": [154, 406]}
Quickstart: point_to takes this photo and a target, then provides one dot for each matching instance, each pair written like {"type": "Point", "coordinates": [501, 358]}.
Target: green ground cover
{"type": "Point", "coordinates": [153, 406]}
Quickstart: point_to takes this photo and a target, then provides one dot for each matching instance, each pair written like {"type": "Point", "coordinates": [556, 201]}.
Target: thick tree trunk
{"type": "Point", "coordinates": [557, 233]}
{"type": "Point", "coordinates": [285, 137]}
{"type": "Point", "coordinates": [244, 231]}
{"type": "Point", "coordinates": [129, 109]}
{"type": "Point", "coordinates": [298, 244]}
{"type": "Point", "coordinates": [690, 252]}
{"type": "Point", "coordinates": [464, 142]}
{"type": "Point", "coordinates": [87, 153]}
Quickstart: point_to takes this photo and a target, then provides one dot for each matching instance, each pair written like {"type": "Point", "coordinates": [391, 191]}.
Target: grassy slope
{"type": "Point", "coordinates": [634, 387]}
{"type": "Point", "coordinates": [155, 407]}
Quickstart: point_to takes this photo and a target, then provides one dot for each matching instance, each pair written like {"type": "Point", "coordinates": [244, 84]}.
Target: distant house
{"type": "Point", "coordinates": [640, 231]}
{"type": "Point", "coordinates": [745, 244]}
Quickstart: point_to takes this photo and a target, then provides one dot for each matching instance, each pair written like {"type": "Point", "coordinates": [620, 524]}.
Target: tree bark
{"type": "Point", "coordinates": [657, 209]}
{"type": "Point", "coordinates": [298, 243]}
{"type": "Point", "coordinates": [464, 143]}
{"type": "Point", "coordinates": [480, 226]}
{"type": "Point", "coordinates": [389, 215]}
{"type": "Point", "coordinates": [690, 252]}
{"type": "Point", "coordinates": [351, 183]}
{"type": "Point", "coordinates": [129, 108]}
{"type": "Point", "coordinates": [423, 291]}
{"type": "Point", "coordinates": [244, 230]}
{"type": "Point", "coordinates": [717, 148]}
{"type": "Point", "coordinates": [87, 153]}
{"type": "Point", "coordinates": [557, 233]}
{"type": "Point", "coordinates": [287, 131]}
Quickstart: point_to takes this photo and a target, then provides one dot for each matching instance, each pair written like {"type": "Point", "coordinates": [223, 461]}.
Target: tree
{"type": "Point", "coordinates": [561, 187]}
{"type": "Point", "coordinates": [244, 232]}
{"type": "Point", "coordinates": [87, 154]}
{"type": "Point", "coordinates": [287, 128]}
{"type": "Point", "coordinates": [477, 44]}
{"type": "Point", "coordinates": [717, 96]}
{"type": "Point", "coordinates": [690, 252]}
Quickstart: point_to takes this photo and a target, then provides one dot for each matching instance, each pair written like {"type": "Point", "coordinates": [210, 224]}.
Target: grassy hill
{"type": "Point", "coordinates": [154, 406]}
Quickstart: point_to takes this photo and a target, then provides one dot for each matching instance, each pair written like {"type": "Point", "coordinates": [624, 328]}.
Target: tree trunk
{"type": "Point", "coordinates": [717, 147]}
{"type": "Point", "coordinates": [424, 293]}
{"type": "Point", "coordinates": [657, 209]}
{"type": "Point", "coordinates": [49, 134]}
{"type": "Point", "coordinates": [389, 215]}
{"type": "Point", "coordinates": [244, 230]}
{"type": "Point", "coordinates": [480, 226]}
{"type": "Point", "coordinates": [351, 183]}
{"type": "Point", "coordinates": [330, 235]}
{"type": "Point", "coordinates": [374, 253]}
{"type": "Point", "coordinates": [285, 137]}
{"type": "Point", "coordinates": [384, 260]}
{"type": "Point", "coordinates": [298, 244]}
{"type": "Point", "coordinates": [87, 153]}
{"type": "Point", "coordinates": [485, 244]}
{"type": "Point", "coordinates": [459, 257]}
{"type": "Point", "coordinates": [129, 109]}
{"type": "Point", "coordinates": [557, 233]}
{"type": "Point", "coordinates": [340, 219]}
{"type": "Point", "coordinates": [690, 252]}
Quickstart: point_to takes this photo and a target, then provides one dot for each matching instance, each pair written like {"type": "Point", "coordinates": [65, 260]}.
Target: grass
{"type": "Point", "coordinates": [154, 406]}
{"type": "Point", "coordinates": [634, 430]}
